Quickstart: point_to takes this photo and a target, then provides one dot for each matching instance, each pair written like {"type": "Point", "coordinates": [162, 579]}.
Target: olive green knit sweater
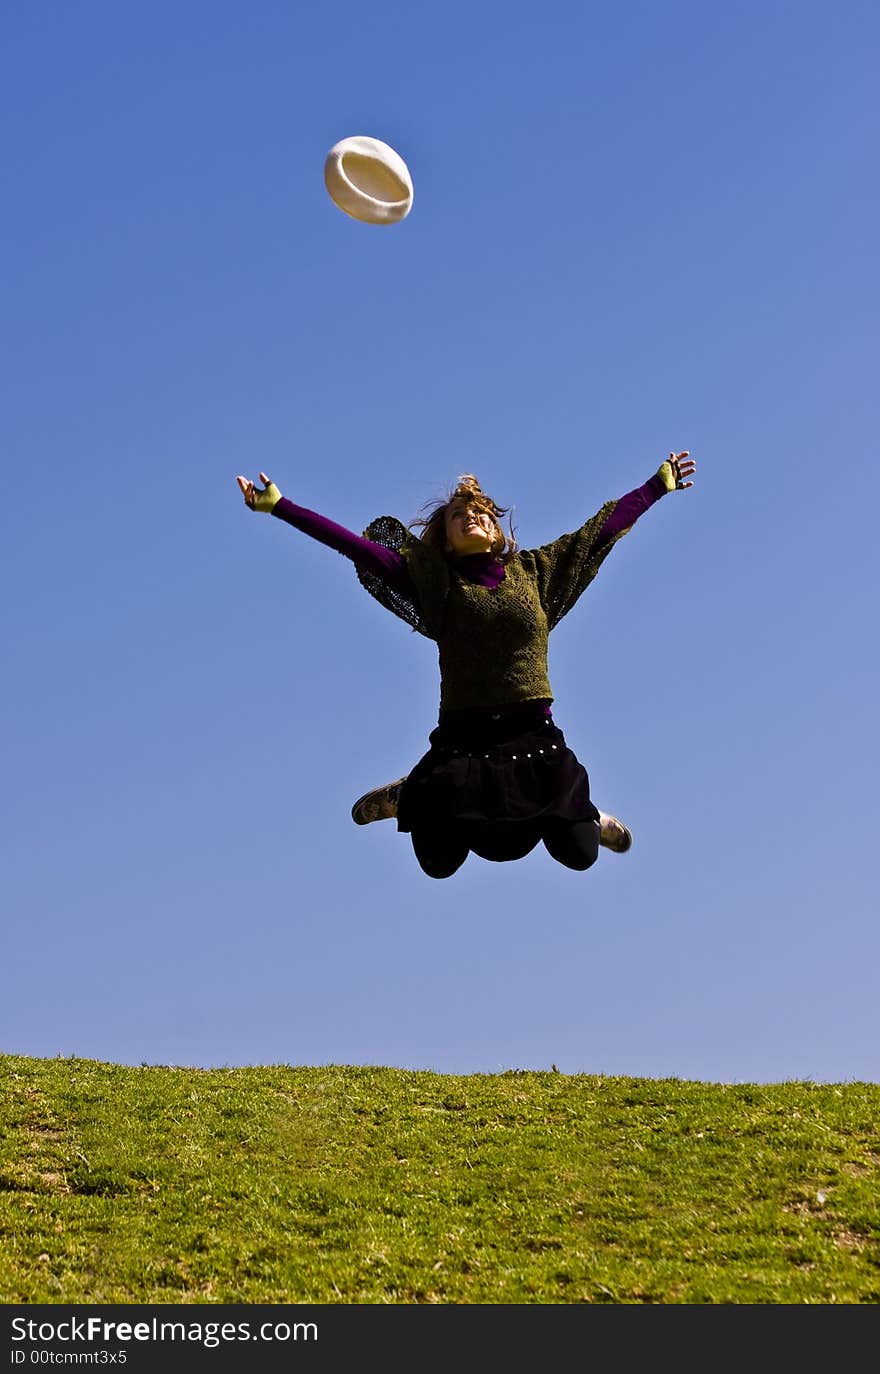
{"type": "Point", "coordinates": [492, 642]}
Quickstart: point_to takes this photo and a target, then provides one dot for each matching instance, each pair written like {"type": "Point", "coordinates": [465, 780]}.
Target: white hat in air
{"type": "Point", "coordinates": [368, 180]}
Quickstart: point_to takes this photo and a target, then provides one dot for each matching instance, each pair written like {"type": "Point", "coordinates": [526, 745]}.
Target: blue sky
{"type": "Point", "coordinates": [636, 228]}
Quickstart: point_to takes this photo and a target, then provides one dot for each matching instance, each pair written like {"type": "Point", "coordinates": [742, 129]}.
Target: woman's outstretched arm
{"type": "Point", "coordinates": [566, 566]}
{"type": "Point", "coordinates": [374, 558]}
{"type": "Point", "coordinates": [671, 475]}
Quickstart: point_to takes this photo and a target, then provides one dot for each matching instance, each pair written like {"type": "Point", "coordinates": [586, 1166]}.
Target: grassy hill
{"type": "Point", "coordinates": [376, 1185]}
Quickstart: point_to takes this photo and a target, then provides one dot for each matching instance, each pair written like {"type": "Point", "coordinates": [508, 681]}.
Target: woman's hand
{"type": "Point", "coordinates": [675, 471]}
{"type": "Point", "coordinates": [264, 500]}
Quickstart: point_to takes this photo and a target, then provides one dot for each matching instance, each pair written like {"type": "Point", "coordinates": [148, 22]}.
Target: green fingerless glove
{"type": "Point", "coordinates": [267, 499]}
{"type": "Point", "coordinates": [666, 473]}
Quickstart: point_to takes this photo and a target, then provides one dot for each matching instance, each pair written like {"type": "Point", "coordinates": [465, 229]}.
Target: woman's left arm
{"type": "Point", "coordinates": [672, 475]}
{"type": "Point", "coordinates": [567, 566]}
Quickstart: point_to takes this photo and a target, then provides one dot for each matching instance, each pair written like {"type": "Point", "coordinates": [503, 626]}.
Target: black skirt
{"type": "Point", "coordinates": [485, 769]}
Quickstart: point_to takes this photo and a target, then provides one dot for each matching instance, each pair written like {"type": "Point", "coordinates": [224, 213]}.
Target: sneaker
{"type": "Point", "coordinates": [613, 834]}
{"type": "Point", "coordinates": [378, 805]}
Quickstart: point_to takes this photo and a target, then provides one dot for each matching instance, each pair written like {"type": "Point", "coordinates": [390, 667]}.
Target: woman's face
{"type": "Point", "coordinates": [469, 530]}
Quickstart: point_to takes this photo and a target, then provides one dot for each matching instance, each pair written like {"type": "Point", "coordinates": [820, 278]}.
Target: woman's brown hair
{"type": "Point", "coordinates": [433, 522]}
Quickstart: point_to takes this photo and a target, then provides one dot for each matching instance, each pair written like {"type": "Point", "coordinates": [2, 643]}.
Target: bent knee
{"type": "Point", "coordinates": [575, 846]}
{"type": "Point", "coordinates": [579, 862]}
{"type": "Point", "coordinates": [438, 860]}
{"type": "Point", "coordinates": [439, 870]}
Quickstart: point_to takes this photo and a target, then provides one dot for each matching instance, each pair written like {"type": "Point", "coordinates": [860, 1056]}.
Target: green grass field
{"type": "Point", "coordinates": [376, 1185]}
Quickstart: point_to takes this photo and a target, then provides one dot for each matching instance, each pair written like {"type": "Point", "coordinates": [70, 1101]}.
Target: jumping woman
{"type": "Point", "coordinates": [498, 777]}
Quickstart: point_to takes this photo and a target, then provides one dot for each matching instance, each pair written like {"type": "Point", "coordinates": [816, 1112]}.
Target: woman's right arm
{"type": "Point", "coordinates": [386, 564]}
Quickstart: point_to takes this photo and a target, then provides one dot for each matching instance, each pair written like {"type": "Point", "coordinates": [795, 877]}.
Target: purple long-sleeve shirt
{"type": "Point", "coordinates": [483, 568]}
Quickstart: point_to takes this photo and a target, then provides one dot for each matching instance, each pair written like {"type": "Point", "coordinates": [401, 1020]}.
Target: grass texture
{"type": "Point", "coordinates": [377, 1185]}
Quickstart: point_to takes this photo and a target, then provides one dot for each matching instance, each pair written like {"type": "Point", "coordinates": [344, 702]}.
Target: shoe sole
{"type": "Point", "coordinates": [622, 845]}
{"type": "Point", "coordinates": [383, 810]}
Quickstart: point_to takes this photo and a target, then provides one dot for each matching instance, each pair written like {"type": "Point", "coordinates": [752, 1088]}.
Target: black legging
{"type": "Point", "coordinates": [442, 852]}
